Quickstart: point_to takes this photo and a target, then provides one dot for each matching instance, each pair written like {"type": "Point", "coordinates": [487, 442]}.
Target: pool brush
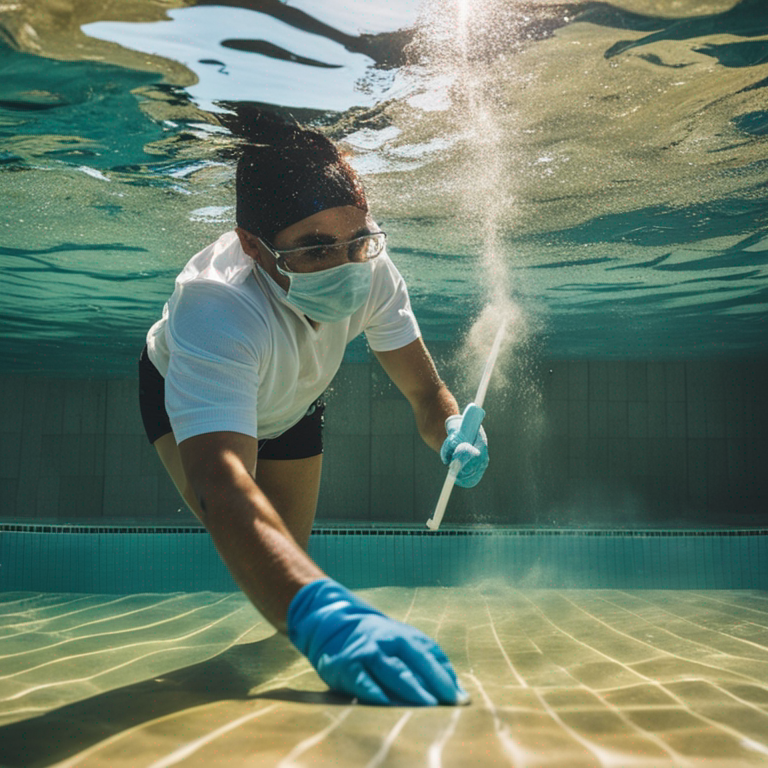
{"type": "Point", "coordinates": [470, 425]}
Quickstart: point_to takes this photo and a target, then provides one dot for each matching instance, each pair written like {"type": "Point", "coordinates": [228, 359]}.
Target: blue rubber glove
{"type": "Point", "coordinates": [359, 651]}
{"type": "Point", "coordinates": [462, 444]}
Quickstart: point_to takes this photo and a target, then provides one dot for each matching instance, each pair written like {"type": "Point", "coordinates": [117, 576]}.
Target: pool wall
{"type": "Point", "coordinates": [573, 443]}
{"type": "Point", "coordinates": [126, 560]}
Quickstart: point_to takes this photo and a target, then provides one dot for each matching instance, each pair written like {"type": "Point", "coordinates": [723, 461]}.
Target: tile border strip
{"type": "Point", "coordinates": [369, 531]}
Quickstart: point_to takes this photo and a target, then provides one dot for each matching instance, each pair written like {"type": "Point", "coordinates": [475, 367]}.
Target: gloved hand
{"type": "Point", "coordinates": [360, 651]}
{"type": "Point", "coordinates": [461, 444]}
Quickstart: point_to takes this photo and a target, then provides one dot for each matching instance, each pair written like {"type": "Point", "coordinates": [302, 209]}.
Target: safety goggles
{"type": "Point", "coordinates": [316, 258]}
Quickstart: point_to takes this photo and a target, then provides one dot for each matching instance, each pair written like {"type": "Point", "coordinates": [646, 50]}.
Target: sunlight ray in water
{"type": "Point", "coordinates": [435, 753]}
{"type": "Point", "coordinates": [189, 749]}
{"type": "Point", "coordinates": [389, 740]}
{"type": "Point", "coordinates": [133, 627]}
{"type": "Point", "coordinates": [511, 748]}
{"type": "Point", "coordinates": [289, 760]}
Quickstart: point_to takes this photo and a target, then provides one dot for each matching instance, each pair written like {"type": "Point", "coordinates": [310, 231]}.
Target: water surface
{"type": "Point", "coordinates": [618, 150]}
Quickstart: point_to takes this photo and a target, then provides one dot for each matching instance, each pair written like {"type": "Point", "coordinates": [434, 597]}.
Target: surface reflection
{"type": "Point", "coordinates": [624, 142]}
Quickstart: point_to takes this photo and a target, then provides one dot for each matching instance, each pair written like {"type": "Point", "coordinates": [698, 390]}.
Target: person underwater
{"type": "Point", "coordinates": [231, 392]}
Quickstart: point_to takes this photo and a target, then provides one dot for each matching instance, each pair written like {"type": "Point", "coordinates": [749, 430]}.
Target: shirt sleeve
{"type": "Point", "coordinates": [216, 345]}
{"type": "Point", "coordinates": [391, 323]}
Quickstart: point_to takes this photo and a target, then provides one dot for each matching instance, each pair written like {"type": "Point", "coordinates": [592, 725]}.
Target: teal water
{"type": "Point", "coordinates": [626, 140]}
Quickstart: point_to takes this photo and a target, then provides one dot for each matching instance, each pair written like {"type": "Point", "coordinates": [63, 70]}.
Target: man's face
{"type": "Point", "coordinates": [333, 225]}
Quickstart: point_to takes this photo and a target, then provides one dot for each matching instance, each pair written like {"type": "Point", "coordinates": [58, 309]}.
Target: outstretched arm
{"type": "Point", "coordinates": [413, 372]}
{"type": "Point", "coordinates": [249, 534]}
{"type": "Point", "coordinates": [354, 648]}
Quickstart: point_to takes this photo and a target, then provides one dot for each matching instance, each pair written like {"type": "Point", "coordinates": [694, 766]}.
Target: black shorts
{"type": "Point", "coordinates": [301, 441]}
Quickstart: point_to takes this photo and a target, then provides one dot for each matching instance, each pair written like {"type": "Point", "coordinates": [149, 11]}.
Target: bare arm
{"type": "Point", "coordinates": [413, 372]}
{"type": "Point", "coordinates": [262, 556]}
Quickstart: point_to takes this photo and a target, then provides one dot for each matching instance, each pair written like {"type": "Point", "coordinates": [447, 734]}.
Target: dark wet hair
{"type": "Point", "coordinates": [286, 172]}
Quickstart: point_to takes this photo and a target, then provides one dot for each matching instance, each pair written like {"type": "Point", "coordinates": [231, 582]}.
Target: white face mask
{"type": "Point", "coordinates": [332, 294]}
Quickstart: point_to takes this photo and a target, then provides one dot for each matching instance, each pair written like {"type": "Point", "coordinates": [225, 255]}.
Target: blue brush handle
{"type": "Point", "coordinates": [471, 420]}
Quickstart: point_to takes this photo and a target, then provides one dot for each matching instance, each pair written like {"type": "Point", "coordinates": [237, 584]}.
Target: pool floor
{"type": "Point", "coordinates": [570, 678]}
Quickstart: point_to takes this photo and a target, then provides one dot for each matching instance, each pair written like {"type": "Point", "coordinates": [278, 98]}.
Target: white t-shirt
{"type": "Point", "coordinates": [237, 357]}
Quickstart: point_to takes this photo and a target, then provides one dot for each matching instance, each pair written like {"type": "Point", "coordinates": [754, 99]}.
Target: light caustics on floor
{"type": "Point", "coordinates": [604, 678]}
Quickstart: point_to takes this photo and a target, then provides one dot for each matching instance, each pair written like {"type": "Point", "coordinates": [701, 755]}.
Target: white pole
{"type": "Point", "coordinates": [455, 466]}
